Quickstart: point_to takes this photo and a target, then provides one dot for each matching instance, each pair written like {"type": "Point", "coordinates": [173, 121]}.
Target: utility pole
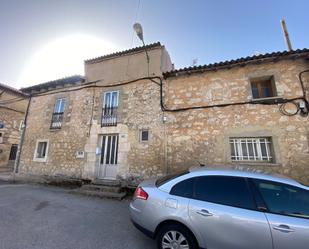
{"type": "Point", "coordinates": [286, 35]}
{"type": "Point", "coordinates": [21, 141]}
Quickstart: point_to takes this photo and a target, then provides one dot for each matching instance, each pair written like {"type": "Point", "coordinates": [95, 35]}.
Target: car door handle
{"type": "Point", "coordinates": [204, 212]}
{"type": "Point", "coordinates": [283, 228]}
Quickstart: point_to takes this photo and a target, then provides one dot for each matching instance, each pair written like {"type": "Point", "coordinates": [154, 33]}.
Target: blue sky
{"type": "Point", "coordinates": [206, 30]}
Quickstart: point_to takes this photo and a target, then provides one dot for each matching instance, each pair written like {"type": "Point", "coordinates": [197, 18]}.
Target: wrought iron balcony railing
{"type": "Point", "coordinates": [56, 121]}
{"type": "Point", "coordinates": [109, 116]}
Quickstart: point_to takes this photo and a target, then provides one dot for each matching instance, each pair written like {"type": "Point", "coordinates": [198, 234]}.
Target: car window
{"type": "Point", "coordinates": [226, 190]}
{"type": "Point", "coordinates": [183, 188]}
{"type": "Point", "coordinates": [284, 199]}
{"type": "Point", "coordinates": [167, 178]}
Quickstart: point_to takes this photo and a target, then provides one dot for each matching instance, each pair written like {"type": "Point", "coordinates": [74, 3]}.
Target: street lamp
{"type": "Point", "coordinates": [139, 32]}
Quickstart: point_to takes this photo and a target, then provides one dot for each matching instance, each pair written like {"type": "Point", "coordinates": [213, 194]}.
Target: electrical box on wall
{"type": "Point", "coordinates": [80, 154]}
{"type": "Point", "coordinates": [98, 151]}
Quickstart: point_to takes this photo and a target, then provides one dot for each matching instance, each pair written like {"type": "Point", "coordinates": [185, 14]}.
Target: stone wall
{"type": "Point", "coordinates": [11, 115]}
{"type": "Point", "coordinates": [177, 139]}
{"type": "Point", "coordinates": [139, 108]}
{"type": "Point", "coordinates": [203, 134]}
{"type": "Point", "coordinates": [64, 143]}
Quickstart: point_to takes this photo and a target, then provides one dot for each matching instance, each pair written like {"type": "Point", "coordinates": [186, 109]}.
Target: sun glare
{"type": "Point", "coordinates": [63, 57]}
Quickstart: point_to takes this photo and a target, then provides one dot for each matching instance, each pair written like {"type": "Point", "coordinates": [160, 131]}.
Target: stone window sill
{"type": "Point", "coordinates": [267, 100]}
{"type": "Point", "coordinates": [256, 164]}
{"type": "Point", "coordinates": [40, 160]}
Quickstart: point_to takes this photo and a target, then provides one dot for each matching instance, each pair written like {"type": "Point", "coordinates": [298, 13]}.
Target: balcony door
{"type": "Point", "coordinates": [57, 116]}
{"type": "Point", "coordinates": [109, 157]}
{"type": "Point", "coordinates": [110, 105]}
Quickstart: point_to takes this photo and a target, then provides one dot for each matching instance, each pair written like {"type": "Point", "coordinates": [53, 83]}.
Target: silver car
{"type": "Point", "coordinates": [223, 209]}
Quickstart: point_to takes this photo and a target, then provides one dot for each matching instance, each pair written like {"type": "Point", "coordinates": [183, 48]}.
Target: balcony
{"type": "Point", "coordinates": [109, 116]}
{"type": "Point", "coordinates": [56, 121]}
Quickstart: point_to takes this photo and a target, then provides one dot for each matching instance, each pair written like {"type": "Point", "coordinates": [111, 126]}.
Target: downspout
{"type": "Point", "coordinates": [21, 141]}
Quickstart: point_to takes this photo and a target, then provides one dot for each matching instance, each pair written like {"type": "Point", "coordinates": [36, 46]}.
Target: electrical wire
{"type": "Point", "coordinates": [13, 100]}
{"type": "Point", "coordinates": [11, 109]}
{"type": "Point", "coordinates": [303, 88]}
{"type": "Point", "coordinates": [283, 110]}
{"type": "Point", "coordinates": [162, 104]}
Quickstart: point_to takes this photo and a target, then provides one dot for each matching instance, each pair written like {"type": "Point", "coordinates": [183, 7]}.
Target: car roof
{"type": "Point", "coordinates": [243, 172]}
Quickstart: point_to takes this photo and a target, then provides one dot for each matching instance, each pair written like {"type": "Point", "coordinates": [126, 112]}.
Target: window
{"type": "Point", "coordinates": [144, 136]}
{"type": "Point", "coordinates": [59, 105]}
{"type": "Point", "coordinates": [110, 106]}
{"type": "Point", "coordinates": [1, 137]}
{"type": "Point", "coordinates": [251, 149]}
{"type": "Point", "coordinates": [41, 150]}
{"type": "Point", "coordinates": [226, 190]}
{"type": "Point", "coordinates": [183, 188]}
{"type": "Point", "coordinates": [284, 199]}
{"type": "Point", "coordinates": [13, 152]}
{"type": "Point", "coordinates": [164, 179]}
{"type": "Point", "coordinates": [263, 87]}
{"type": "Point", "coordinates": [57, 116]}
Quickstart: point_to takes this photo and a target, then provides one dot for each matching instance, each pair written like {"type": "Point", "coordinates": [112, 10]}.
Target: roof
{"type": "Point", "coordinates": [239, 62]}
{"type": "Point", "coordinates": [12, 90]}
{"type": "Point", "coordinates": [125, 52]}
{"type": "Point", "coordinates": [71, 80]}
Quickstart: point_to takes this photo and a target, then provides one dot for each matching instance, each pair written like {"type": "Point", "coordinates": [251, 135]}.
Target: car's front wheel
{"type": "Point", "coordinates": [174, 236]}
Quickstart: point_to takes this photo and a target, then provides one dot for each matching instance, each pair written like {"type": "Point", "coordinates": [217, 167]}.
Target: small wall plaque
{"type": "Point", "coordinates": [80, 154]}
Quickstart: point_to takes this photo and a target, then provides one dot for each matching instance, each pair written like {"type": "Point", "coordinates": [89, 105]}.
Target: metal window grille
{"type": "Point", "coordinates": [56, 121]}
{"type": "Point", "coordinates": [109, 110]}
{"type": "Point", "coordinates": [251, 149]}
{"type": "Point", "coordinates": [109, 116]}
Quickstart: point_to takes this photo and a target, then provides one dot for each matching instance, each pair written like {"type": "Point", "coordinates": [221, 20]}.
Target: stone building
{"type": "Point", "coordinates": [131, 118]}
{"type": "Point", "coordinates": [251, 112]}
{"type": "Point", "coordinates": [105, 125]}
{"type": "Point", "coordinates": [13, 105]}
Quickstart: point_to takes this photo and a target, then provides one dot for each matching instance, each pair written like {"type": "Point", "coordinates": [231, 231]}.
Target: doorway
{"type": "Point", "coordinates": [108, 157]}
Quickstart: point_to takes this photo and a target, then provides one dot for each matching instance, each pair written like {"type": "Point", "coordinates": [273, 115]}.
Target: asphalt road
{"type": "Point", "coordinates": [39, 217]}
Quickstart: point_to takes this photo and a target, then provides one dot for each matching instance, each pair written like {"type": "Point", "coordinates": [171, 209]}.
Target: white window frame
{"type": "Point", "coordinates": [110, 92]}
{"type": "Point", "coordinates": [61, 100]}
{"type": "Point", "coordinates": [255, 142]}
{"type": "Point", "coordinates": [35, 158]}
{"type": "Point", "coordinates": [140, 136]}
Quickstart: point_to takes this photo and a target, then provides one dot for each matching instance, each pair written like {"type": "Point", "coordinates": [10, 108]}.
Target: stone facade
{"type": "Point", "coordinates": [81, 131]}
{"type": "Point", "coordinates": [176, 139]}
{"type": "Point", "coordinates": [13, 105]}
{"type": "Point", "coordinates": [203, 134]}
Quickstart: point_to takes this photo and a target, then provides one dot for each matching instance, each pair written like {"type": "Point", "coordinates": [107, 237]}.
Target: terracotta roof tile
{"type": "Point", "coordinates": [75, 79]}
{"type": "Point", "coordinates": [125, 52]}
{"type": "Point", "coordinates": [12, 90]}
{"type": "Point", "coordinates": [237, 62]}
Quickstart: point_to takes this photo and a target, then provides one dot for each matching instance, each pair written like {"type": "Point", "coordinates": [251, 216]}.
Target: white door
{"type": "Point", "coordinates": [109, 157]}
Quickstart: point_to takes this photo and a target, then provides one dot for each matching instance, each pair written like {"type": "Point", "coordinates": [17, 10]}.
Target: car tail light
{"type": "Point", "coordinates": [140, 194]}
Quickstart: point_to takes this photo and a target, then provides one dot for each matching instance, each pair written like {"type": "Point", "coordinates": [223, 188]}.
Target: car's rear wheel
{"type": "Point", "coordinates": [174, 236]}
